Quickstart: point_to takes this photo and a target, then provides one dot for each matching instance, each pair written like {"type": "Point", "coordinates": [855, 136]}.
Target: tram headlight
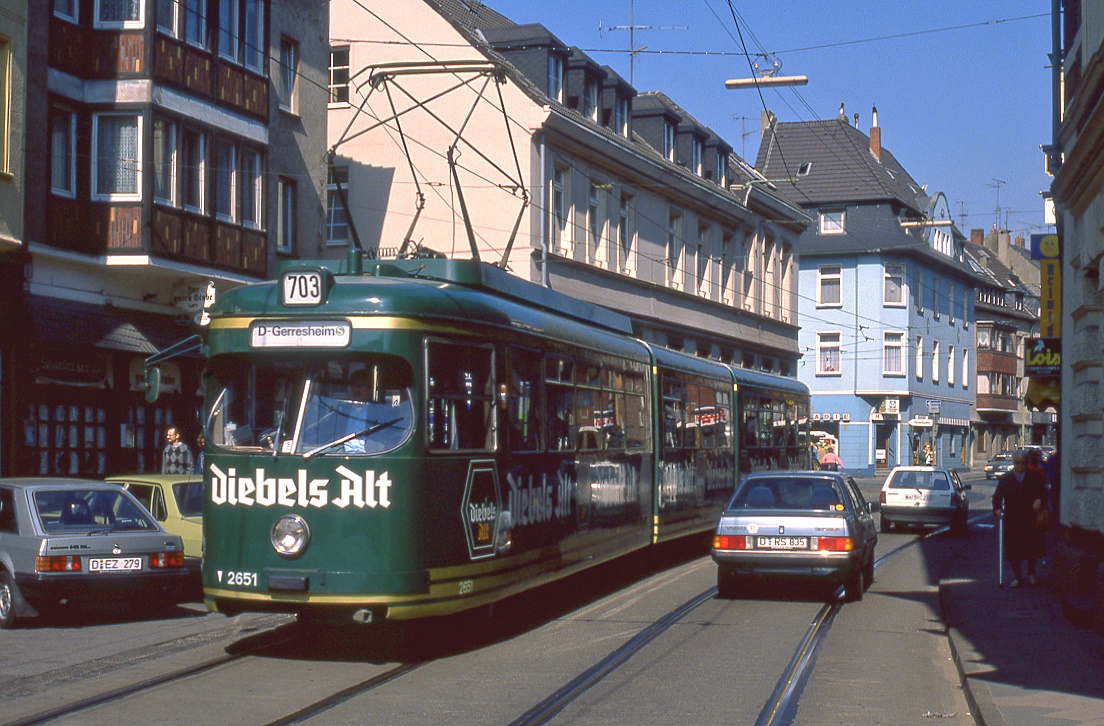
{"type": "Point", "coordinates": [290, 535]}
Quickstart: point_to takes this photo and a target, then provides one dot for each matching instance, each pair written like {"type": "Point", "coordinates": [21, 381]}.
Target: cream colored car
{"type": "Point", "coordinates": [176, 502]}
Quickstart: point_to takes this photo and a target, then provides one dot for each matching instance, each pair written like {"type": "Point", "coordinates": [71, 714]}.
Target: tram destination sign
{"type": "Point", "coordinates": [301, 334]}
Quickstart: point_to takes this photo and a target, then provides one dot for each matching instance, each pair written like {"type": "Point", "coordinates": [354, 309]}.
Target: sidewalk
{"type": "Point", "coordinates": [1021, 661]}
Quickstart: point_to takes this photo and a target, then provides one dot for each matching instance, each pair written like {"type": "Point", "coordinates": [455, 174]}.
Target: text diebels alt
{"type": "Point", "coordinates": [369, 489]}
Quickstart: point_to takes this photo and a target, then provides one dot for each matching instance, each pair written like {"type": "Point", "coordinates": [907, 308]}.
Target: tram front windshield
{"type": "Point", "coordinates": [354, 406]}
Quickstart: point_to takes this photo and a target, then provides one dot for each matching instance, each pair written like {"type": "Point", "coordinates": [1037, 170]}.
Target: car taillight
{"type": "Point", "coordinates": [730, 542]}
{"type": "Point", "coordinates": [58, 563]}
{"type": "Point", "coordinates": [159, 560]}
{"type": "Point", "coordinates": [833, 544]}
{"type": "Point", "coordinates": [882, 496]}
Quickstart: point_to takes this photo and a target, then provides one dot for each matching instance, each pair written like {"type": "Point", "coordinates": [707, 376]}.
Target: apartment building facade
{"type": "Point", "coordinates": [174, 150]}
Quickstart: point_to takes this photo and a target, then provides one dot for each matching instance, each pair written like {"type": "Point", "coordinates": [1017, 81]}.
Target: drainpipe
{"type": "Point", "coordinates": [542, 206]}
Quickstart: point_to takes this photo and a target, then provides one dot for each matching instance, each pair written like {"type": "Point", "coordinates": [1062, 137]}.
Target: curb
{"type": "Point", "coordinates": [977, 712]}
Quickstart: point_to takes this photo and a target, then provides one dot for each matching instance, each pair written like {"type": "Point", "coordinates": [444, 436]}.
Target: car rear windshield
{"type": "Point", "coordinates": [788, 493]}
{"type": "Point", "coordinates": [934, 480]}
{"type": "Point", "coordinates": [70, 510]}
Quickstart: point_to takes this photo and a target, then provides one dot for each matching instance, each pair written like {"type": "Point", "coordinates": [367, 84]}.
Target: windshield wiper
{"type": "Point", "coordinates": [355, 435]}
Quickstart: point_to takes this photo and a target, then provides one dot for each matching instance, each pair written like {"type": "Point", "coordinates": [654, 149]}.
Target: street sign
{"type": "Point", "coordinates": [933, 405]}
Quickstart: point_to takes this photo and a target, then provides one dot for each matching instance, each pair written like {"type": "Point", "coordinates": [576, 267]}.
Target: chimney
{"type": "Point", "coordinates": [842, 114]}
{"type": "Point", "coordinates": [977, 236]}
{"type": "Point", "coordinates": [856, 120]}
{"type": "Point", "coordinates": [875, 136]}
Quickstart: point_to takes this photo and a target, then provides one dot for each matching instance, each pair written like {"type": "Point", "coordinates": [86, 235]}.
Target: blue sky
{"type": "Point", "coordinates": [962, 87]}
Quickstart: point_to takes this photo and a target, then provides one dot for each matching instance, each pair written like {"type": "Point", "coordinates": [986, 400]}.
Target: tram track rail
{"type": "Point", "coordinates": [780, 707]}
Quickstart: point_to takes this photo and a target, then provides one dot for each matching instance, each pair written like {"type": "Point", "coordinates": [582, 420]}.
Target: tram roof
{"type": "Point", "coordinates": [769, 381]}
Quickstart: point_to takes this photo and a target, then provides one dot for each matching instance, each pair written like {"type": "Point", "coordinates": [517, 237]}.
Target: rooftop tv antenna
{"type": "Point", "coordinates": [632, 27]}
{"type": "Point", "coordinates": [997, 183]}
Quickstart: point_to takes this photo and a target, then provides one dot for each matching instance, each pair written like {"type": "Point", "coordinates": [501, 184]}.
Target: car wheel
{"type": "Point", "coordinates": [884, 525]}
{"type": "Point", "coordinates": [726, 585]}
{"type": "Point", "coordinates": [856, 584]}
{"type": "Point", "coordinates": [9, 595]}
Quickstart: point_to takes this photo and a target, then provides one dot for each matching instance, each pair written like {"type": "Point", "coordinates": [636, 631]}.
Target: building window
{"type": "Point", "coordinates": [830, 286]}
{"type": "Point", "coordinates": [894, 292]}
{"type": "Point", "coordinates": [590, 99]}
{"type": "Point", "coordinates": [555, 78]}
{"type": "Point", "coordinates": [983, 338]}
{"type": "Point", "coordinates": [119, 14]}
{"type": "Point", "coordinates": [832, 222]}
{"type": "Point", "coordinates": [721, 173]}
{"type": "Point", "coordinates": [669, 140]}
{"type": "Point", "coordinates": [67, 10]}
{"type": "Point", "coordinates": [116, 157]}
{"type": "Point", "coordinates": [337, 222]}
{"type": "Point", "coordinates": [624, 235]}
{"type": "Point", "coordinates": [965, 368]}
{"type": "Point", "coordinates": [289, 75]}
{"type": "Point", "coordinates": [728, 268]}
{"type": "Point", "coordinates": [594, 225]}
{"type": "Point", "coordinates": [950, 365]}
{"type": "Point", "coordinates": [5, 105]}
{"type": "Point", "coordinates": [919, 357]}
{"type": "Point", "coordinates": [936, 303]}
{"type": "Point", "coordinates": [168, 21]}
{"type": "Point", "coordinates": [228, 29]}
{"type": "Point", "coordinates": [893, 354]}
{"type": "Point", "coordinates": [696, 156]}
{"type": "Point", "coordinates": [621, 115]}
{"type": "Point", "coordinates": [560, 241]}
{"type": "Point", "coordinates": [252, 174]}
{"type": "Point", "coordinates": [164, 162]}
{"type": "Point", "coordinates": [254, 35]}
{"type": "Point", "coordinates": [935, 361]}
{"type": "Point", "coordinates": [701, 257]}
{"type": "Point", "coordinates": [63, 141]}
{"type": "Point", "coordinates": [195, 22]}
{"type": "Point", "coordinates": [953, 307]}
{"type": "Point", "coordinates": [674, 250]}
{"type": "Point", "coordinates": [226, 181]}
{"type": "Point", "coordinates": [285, 222]}
{"type": "Point", "coordinates": [339, 74]}
{"type": "Point", "coordinates": [193, 155]}
{"type": "Point", "coordinates": [828, 354]}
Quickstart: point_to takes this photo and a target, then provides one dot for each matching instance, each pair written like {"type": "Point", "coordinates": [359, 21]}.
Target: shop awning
{"type": "Point", "coordinates": [65, 322]}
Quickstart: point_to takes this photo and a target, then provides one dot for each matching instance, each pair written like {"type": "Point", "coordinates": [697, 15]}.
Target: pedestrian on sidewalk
{"type": "Point", "coordinates": [831, 460]}
{"type": "Point", "coordinates": [176, 457]}
{"type": "Point", "coordinates": [929, 455]}
{"type": "Point", "coordinates": [1020, 495]}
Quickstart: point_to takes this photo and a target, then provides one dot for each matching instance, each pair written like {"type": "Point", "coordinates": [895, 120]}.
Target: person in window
{"type": "Point", "coordinates": [176, 457]}
{"type": "Point", "coordinates": [1020, 495]}
{"type": "Point", "coordinates": [831, 460]}
{"type": "Point", "coordinates": [201, 441]}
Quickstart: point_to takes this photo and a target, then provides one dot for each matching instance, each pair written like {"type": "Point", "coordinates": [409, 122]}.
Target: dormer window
{"type": "Point", "coordinates": [696, 155]}
{"type": "Point", "coordinates": [832, 222]}
{"type": "Point", "coordinates": [722, 168]}
{"type": "Point", "coordinates": [669, 140]}
{"type": "Point", "coordinates": [590, 100]}
{"type": "Point", "coordinates": [555, 78]}
{"type": "Point", "coordinates": [621, 116]}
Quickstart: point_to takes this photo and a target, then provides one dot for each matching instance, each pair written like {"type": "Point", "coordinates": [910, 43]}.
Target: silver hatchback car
{"type": "Point", "coordinates": [72, 540]}
{"type": "Point", "coordinates": [924, 496]}
{"type": "Point", "coordinates": [812, 525]}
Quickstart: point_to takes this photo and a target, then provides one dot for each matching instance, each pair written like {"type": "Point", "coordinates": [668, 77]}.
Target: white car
{"type": "Point", "coordinates": [924, 496]}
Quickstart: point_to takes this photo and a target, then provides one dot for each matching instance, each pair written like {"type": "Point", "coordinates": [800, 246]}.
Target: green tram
{"type": "Point", "coordinates": [414, 438]}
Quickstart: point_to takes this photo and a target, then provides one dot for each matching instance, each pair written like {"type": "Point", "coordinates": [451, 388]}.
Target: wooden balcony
{"type": "Point", "coordinates": [996, 402]}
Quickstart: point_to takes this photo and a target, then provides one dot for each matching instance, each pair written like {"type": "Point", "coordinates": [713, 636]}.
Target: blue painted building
{"type": "Point", "coordinates": [885, 298]}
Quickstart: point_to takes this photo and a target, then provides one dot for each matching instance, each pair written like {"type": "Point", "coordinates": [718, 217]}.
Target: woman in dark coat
{"type": "Point", "coordinates": [1021, 494]}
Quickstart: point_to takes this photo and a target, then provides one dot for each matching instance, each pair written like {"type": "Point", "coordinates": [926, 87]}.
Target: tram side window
{"type": "Point", "coordinates": [461, 396]}
{"type": "Point", "coordinates": [523, 400]}
{"type": "Point", "coordinates": [559, 378]}
{"type": "Point", "coordinates": [674, 425]}
{"type": "Point", "coordinates": [635, 418]}
{"type": "Point", "coordinates": [712, 418]}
